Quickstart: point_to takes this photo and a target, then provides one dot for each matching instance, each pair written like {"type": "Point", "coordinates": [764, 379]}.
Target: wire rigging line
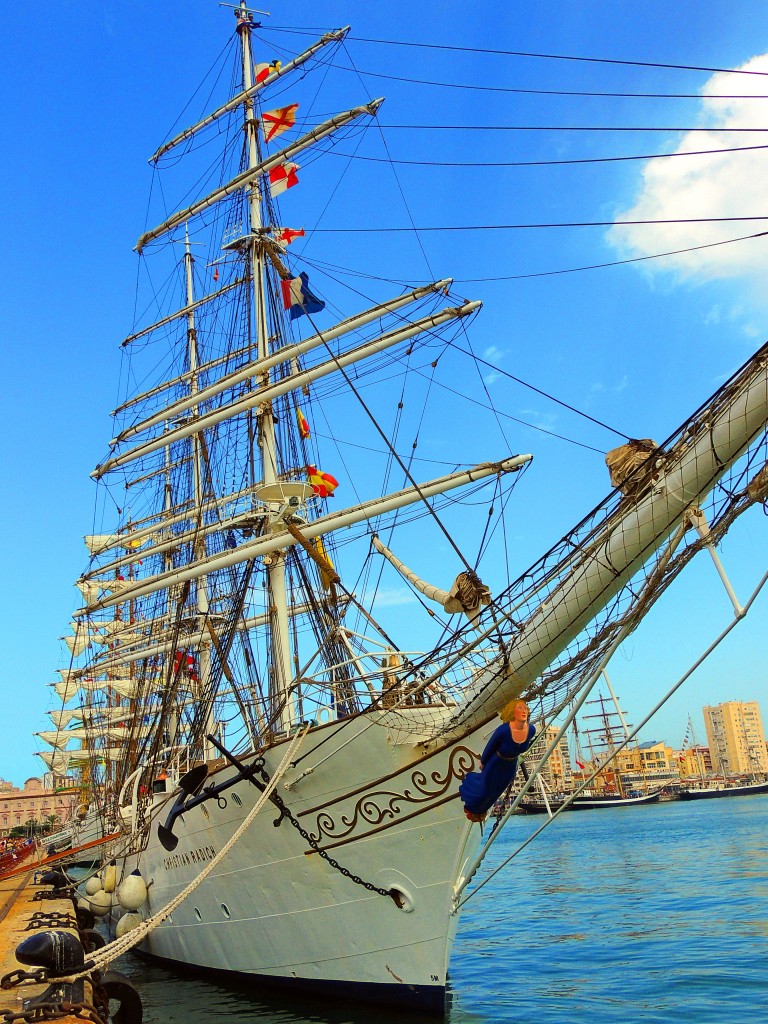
{"type": "Point", "coordinates": [549, 163]}
{"type": "Point", "coordinates": [471, 86]}
{"type": "Point", "coordinates": [531, 387]}
{"type": "Point", "coordinates": [558, 128]}
{"type": "Point", "coordinates": [553, 224]}
{"type": "Point", "coordinates": [613, 263]}
{"type": "Point", "coordinates": [325, 267]}
{"type": "Point", "coordinates": [561, 56]}
{"type": "Point", "coordinates": [548, 56]}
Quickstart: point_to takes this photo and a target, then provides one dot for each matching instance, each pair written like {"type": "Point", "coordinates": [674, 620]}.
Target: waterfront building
{"type": "Point", "coordinates": [38, 801]}
{"type": "Point", "coordinates": [647, 766]}
{"type": "Point", "coordinates": [736, 738]}
{"type": "Point", "coordinates": [694, 762]}
{"type": "Point", "coordinates": [557, 772]}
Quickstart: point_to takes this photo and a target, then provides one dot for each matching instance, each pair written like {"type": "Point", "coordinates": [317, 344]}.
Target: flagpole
{"type": "Point", "coordinates": [278, 602]}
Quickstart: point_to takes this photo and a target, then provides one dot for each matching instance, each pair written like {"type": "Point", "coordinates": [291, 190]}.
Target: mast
{"type": "Point", "coordinates": [198, 546]}
{"type": "Point", "coordinates": [280, 668]}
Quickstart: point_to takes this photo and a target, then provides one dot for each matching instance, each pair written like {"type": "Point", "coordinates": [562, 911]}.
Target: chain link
{"type": "Point", "coordinates": [54, 894]}
{"type": "Point", "coordinates": [285, 813]}
{"type": "Point", "coordinates": [53, 920]}
{"type": "Point", "coordinates": [19, 977]}
{"type": "Point", "coordinates": [53, 1011]}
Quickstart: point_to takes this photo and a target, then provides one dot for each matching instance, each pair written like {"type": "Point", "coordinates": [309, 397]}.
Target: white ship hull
{"type": "Point", "coordinates": [274, 910]}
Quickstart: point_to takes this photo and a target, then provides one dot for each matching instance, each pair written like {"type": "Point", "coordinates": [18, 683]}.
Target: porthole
{"type": "Point", "coordinates": [198, 915]}
{"type": "Point", "coordinates": [237, 800]}
{"type": "Point", "coordinates": [225, 910]}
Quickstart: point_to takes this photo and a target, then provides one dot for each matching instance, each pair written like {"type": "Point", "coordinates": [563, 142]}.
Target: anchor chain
{"type": "Point", "coordinates": [286, 813]}
{"type": "Point", "coordinates": [258, 766]}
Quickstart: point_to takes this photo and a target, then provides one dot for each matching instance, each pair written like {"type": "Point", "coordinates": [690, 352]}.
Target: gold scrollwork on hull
{"type": "Point", "coordinates": [383, 806]}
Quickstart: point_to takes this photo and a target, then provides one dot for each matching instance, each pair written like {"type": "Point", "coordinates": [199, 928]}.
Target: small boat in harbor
{"type": "Point", "coordinates": [589, 803]}
{"type": "Point", "coordinates": [724, 789]}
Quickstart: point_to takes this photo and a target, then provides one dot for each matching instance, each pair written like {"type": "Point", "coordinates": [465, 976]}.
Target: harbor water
{"type": "Point", "coordinates": [645, 914]}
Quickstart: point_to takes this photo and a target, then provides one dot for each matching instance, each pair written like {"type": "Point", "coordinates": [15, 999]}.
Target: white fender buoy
{"type": "Point", "coordinates": [92, 885]}
{"type": "Point", "coordinates": [100, 903]}
{"type": "Point", "coordinates": [83, 903]}
{"type": "Point", "coordinates": [109, 874]}
{"type": "Point", "coordinates": [127, 923]}
{"type": "Point", "coordinates": [132, 892]}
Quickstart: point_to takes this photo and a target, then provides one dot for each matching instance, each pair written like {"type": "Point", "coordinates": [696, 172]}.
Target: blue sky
{"type": "Point", "coordinates": [89, 91]}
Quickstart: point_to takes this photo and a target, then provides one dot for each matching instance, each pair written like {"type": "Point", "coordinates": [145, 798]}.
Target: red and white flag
{"type": "Point", "coordinates": [287, 235]}
{"type": "Point", "coordinates": [282, 177]}
{"type": "Point", "coordinates": [263, 71]}
{"type": "Point", "coordinates": [275, 122]}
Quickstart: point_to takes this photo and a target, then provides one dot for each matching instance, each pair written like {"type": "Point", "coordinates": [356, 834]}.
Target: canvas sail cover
{"type": "Point", "coordinates": [623, 464]}
{"type": "Point", "coordinates": [78, 643]}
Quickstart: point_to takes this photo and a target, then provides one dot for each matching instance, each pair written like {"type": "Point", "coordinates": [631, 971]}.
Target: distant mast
{"type": "Point", "coordinates": [275, 563]}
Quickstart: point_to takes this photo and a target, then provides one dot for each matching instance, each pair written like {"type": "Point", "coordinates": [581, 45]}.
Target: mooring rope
{"type": "Point", "coordinates": [110, 952]}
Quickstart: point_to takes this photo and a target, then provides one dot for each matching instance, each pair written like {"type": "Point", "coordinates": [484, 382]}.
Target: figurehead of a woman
{"type": "Point", "coordinates": [518, 724]}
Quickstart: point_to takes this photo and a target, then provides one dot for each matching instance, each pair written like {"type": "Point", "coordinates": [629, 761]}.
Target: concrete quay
{"type": "Point", "coordinates": [21, 916]}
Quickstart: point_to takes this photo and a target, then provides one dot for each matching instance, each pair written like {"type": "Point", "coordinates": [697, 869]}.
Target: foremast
{"type": "Point", "coordinates": [202, 605]}
{"type": "Point", "coordinates": [280, 668]}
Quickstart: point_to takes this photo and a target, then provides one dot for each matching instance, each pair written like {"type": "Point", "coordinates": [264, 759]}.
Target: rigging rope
{"type": "Point", "coordinates": [670, 693]}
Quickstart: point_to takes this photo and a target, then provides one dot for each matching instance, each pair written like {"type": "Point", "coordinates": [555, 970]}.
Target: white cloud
{"type": "Point", "coordinates": [493, 352]}
{"type": "Point", "coordinates": [390, 597]}
{"type": "Point", "coordinates": [720, 185]}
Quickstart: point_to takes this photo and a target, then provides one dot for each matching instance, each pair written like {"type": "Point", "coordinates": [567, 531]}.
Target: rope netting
{"type": "Point", "coordinates": [546, 633]}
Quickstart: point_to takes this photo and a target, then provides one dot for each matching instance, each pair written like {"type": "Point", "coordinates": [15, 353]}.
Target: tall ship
{"type": "Point", "coordinates": [271, 749]}
{"type": "Point", "coordinates": [604, 729]}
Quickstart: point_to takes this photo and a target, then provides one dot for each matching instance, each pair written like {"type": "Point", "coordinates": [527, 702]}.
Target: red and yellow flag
{"type": "Point", "coordinates": [304, 431]}
{"type": "Point", "coordinates": [323, 484]}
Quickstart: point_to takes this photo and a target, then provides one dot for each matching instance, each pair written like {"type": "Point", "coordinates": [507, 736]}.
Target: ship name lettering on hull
{"type": "Point", "coordinates": [198, 856]}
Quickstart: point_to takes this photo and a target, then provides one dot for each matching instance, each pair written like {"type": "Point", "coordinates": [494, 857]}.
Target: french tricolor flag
{"type": "Point", "coordinates": [298, 299]}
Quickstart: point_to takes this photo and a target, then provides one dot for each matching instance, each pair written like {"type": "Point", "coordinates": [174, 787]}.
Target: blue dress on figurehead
{"type": "Point", "coordinates": [481, 790]}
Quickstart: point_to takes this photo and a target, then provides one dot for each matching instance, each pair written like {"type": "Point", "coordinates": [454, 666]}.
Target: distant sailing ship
{"type": "Point", "coordinates": [714, 790]}
{"type": "Point", "coordinates": [705, 786]}
{"type": "Point", "coordinates": [602, 741]}
{"type": "Point", "coordinates": [230, 611]}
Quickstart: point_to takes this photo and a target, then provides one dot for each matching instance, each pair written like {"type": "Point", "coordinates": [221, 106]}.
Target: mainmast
{"type": "Point", "coordinates": [281, 671]}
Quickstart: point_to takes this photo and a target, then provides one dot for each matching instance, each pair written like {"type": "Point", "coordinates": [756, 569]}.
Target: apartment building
{"type": "Point", "coordinates": [736, 738]}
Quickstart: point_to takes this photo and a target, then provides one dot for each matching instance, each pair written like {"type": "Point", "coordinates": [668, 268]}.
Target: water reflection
{"type": "Point", "coordinates": [170, 996]}
{"type": "Point", "coordinates": [627, 914]}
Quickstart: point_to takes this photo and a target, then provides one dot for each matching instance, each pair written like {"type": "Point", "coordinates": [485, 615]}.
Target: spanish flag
{"type": "Point", "coordinates": [304, 431]}
{"type": "Point", "coordinates": [323, 484]}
